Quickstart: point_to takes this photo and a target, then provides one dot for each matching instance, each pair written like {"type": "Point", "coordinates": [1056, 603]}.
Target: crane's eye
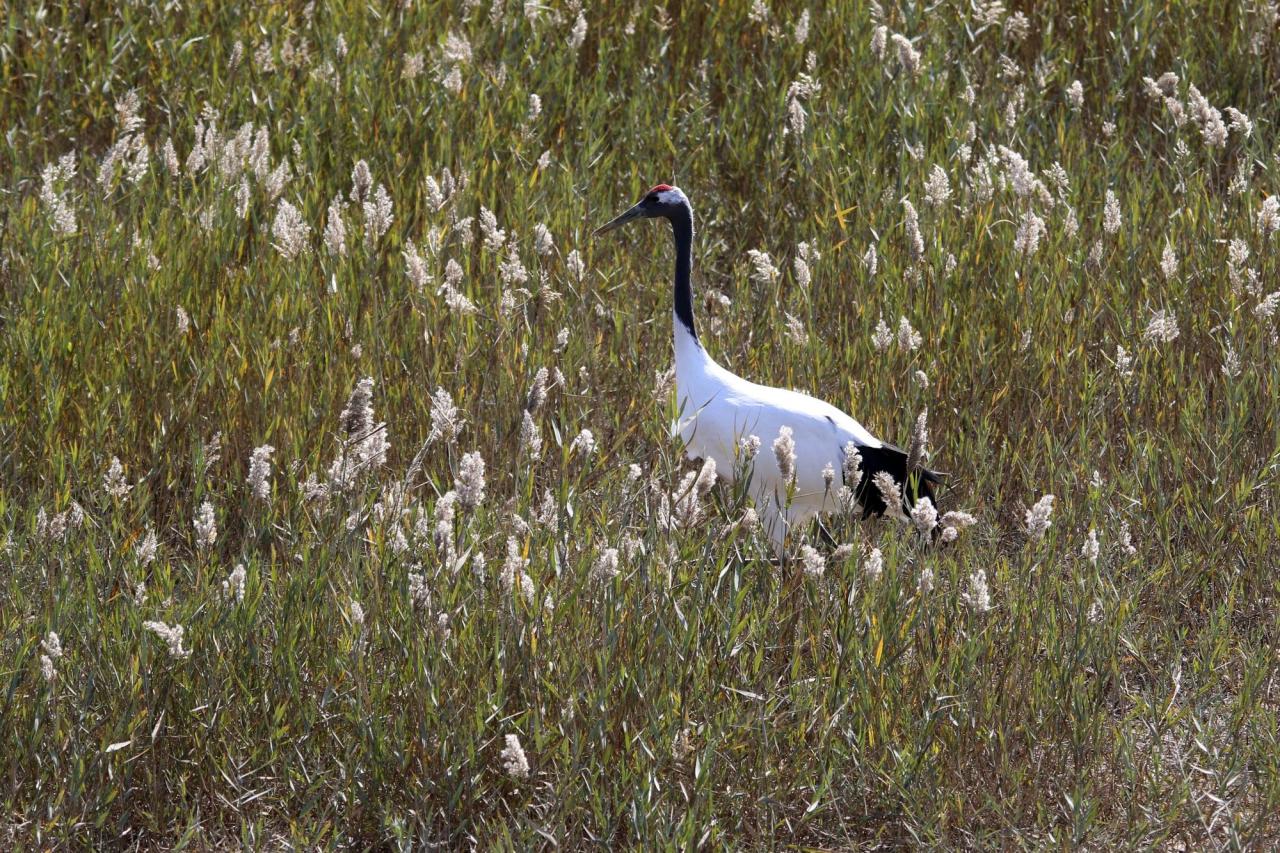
{"type": "Point", "coordinates": [651, 198]}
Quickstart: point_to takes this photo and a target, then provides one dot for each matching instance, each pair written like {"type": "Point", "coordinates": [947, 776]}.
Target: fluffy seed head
{"type": "Point", "coordinates": [953, 522]}
{"type": "Point", "coordinates": [259, 479]}
{"type": "Point", "coordinates": [977, 597]}
{"type": "Point", "coordinates": [1075, 95]}
{"type": "Point", "coordinates": [1091, 548]}
{"type": "Point", "coordinates": [52, 645]}
{"type": "Point", "coordinates": [1162, 328]}
{"type": "Point", "coordinates": [1031, 230]}
{"type": "Point", "coordinates": [289, 231]}
{"type": "Point", "coordinates": [530, 437]}
{"type": "Point", "coordinates": [937, 189]}
{"type": "Point", "coordinates": [1169, 262]}
{"type": "Point", "coordinates": [873, 564]}
{"type": "Point", "coordinates": [335, 230]}
{"type": "Point", "coordinates": [537, 391]}
{"type": "Point", "coordinates": [1111, 213]}
{"type": "Point", "coordinates": [605, 568]}
{"type": "Point", "coordinates": [890, 493]}
{"type": "Point", "coordinates": [908, 338]}
{"type": "Point", "coordinates": [361, 180]}
{"type": "Point", "coordinates": [851, 465]}
{"type": "Point", "coordinates": [446, 422]}
{"type": "Point", "coordinates": [147, 548]}
{"type": "Point", "coordinates": [377, 215]}
{"type": "Point", "coordinates": [882, 338]}
{"type": "Point", "coordinates": [784, 451]}
{"type": "Point", "coordinates": [1038, 517]}
{"type": "Point", "coordinates": [911, 221]}
{"type": "Point", "coordinates": [114, 483]}
{"type": "Point", "coordinates": [514, 761]}
{"type": "Point", "coordinates": [924, 516]}
{"type": "Point", "coordinates": [470, 482]}
{"type": "Point", "coordinates": [1267, 306]}
{"type": "Point", "coordinates": [1269, 216]}
{"type": "Point", "coordinates": [908, 56]}
{"type": "Point", "coordinates": [356, 418]}
{"type": "Point", "coordinates": [814, 563]}
{"type": "Point", "coordinates": [918, 449]}
{"type": "Point", "coordinates": [206, 526]}
{"type": "Point", "coordinates": [584, 442]}
{"type": "Point", "coordinates": [233, 586]}
{"type": "Point", "coordinates": [172, 636]}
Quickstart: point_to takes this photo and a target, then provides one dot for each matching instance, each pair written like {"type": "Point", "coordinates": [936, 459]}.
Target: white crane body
{"type": "Point", "coordinates": [717, 410]}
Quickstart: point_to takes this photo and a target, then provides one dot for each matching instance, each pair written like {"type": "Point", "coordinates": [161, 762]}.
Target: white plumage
{"type": "Point", "coordinates": [718, 410]}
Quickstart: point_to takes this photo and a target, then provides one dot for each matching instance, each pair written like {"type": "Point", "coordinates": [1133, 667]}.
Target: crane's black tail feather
{"type": "Point", "coordinates": [893, 459]}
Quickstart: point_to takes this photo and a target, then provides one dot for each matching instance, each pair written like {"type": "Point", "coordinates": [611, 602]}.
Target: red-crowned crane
{"type": "Point", "coordinates": [718, 410]}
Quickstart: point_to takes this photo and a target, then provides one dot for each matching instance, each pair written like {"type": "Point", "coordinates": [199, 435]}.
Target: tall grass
{"type": "Point", "coordinates": [360, 691]}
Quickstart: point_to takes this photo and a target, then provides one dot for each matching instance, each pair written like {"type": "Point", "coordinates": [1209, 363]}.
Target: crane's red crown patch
{"type": "Point", "coordinates": [660, 188]}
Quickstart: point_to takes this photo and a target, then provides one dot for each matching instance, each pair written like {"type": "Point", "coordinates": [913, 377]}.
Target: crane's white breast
{"type": "Point", "coordinates": [716, 427]}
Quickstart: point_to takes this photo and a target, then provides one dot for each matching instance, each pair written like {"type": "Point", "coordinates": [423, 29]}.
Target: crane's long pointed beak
{"type": "Point", "coordinates": [618, 221]}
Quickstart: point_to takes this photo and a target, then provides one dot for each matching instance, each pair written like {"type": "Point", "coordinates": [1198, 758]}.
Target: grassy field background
{"type": "Point", "coordinates": [173, 294]}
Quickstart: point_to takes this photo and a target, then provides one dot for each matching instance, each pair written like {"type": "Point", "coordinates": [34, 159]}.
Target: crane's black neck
{"type": "Point", "coordinates": [682, 230]}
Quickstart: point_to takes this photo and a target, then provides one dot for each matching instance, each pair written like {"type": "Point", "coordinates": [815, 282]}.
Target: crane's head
{"type": "Point", "coordinates": [663, 200]}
